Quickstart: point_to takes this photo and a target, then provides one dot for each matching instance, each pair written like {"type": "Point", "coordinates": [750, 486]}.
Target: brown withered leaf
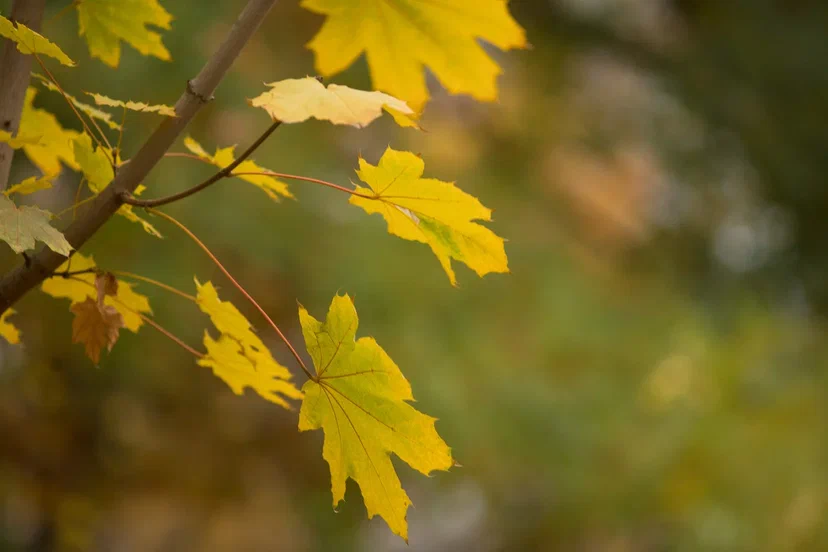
{"type": "Point", "coordinates": [95, 325]}
{"type": "Point", "coordinates": [106, 284]}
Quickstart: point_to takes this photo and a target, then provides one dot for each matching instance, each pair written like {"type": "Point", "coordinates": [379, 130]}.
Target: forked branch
{"type": "Point", "coordinates": [19, 281]}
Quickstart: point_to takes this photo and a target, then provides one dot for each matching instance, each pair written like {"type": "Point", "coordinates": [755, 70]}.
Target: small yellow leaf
{"type": "Point", "coordinates": [360, 399]}
{"type": "Point", "coordinates": [273, 187]}
{"type": "Point", "coordinates": [430, 211]}
{"type": "Point", "coordinates": [20, 227]}
{"type": "Point", "coordinates": [17, 142]}
{"type": "Point", "coordinates": [7, 329]}
{"type": "Point", "coordinates": [105, 23]}
{"type": "Point", "coordinates": [297, 100]}
{"type": "Point", "coordinates": [54, 143]}
{"type": "Point", "coordinates": [93, 162]}
{"type": "Point", "coordinates": [31, 42]}
{"type": "Point", "coordinates": [239, 357]}
{"type": "Point", "coordinates": [128, 213]}
{"type": "Point", "coordinates": [30, 185]}
{"type": "Point", "coordinates": [161, 109]}
{"type": "Point", "coordinates": [96, 326]}
{"type": "Point", "coordinates": [81, 286]}
{"type": "Point", "coordinates": [90, 110]}
{"type": "Point", "coordinates": [402, 37]}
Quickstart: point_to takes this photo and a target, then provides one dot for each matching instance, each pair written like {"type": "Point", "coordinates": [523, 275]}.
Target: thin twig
{"type": "Point", "coordinates": [239, 287]}
{"type": "Point", "coordinates": [305, 179]}
{"type": "Point", "coordinates": [156, 283]}
{"type": "Point", "coordinates": [223, 173]}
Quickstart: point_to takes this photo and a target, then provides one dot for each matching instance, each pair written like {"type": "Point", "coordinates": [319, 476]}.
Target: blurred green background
{"type": "Point", "coordinates": [652, 376]}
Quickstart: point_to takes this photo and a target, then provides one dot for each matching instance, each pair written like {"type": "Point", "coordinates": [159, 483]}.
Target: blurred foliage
{"type": "Point", "coordinates": [652, 375]}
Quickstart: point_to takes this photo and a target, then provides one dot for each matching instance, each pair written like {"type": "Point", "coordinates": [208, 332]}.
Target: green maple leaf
{"type": "Point", "coordinates": [360, 399]}
{"type": "Point", "coordinates": [20, 227]}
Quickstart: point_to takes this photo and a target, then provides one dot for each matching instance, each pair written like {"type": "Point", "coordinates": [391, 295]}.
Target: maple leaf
{"type": "Point", "coordinates": [82, 286]}
{"type": "Point", "coordinates": [297, 100]}
{"type": "Point", "coordinates": [239, 357]}
{"type": "Point", "coordinates": [17, 142]}
{"type": "Point", "coordinates": [54, 143]}
{"type": "Point", "coordinates": [90, 110]}
{"type": "Point", "coordinates": [401, 37]}
{"type": "Point", "coordinates": [142, 107]}
{"type": "Point", "coordinates": [360, 399]}
{"type": "Point", "coordinates": [430, 211]}
{"type": "Point", "coordinates": [20, 227]}
{"type": "Point", "coordinates": [7, 329]}
{"type": "Point", "coordinates": [32, 42]}
{"type": "Point", "coordinates": [96, 324]}
{"type": "Point", "coordinates": [273, 187]}
{"type": "Point", "coordinates": [30, 185]}
{"type": "Point", "coordinates": [93, 162]}
{"type": "Point", "coordinates": [105, 23]}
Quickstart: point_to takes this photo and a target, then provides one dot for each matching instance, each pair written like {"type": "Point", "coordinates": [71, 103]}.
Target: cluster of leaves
{"type": "Point", "coordinates": [357, 395]}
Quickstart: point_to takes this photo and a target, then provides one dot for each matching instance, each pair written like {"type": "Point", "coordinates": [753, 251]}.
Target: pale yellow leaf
{"type": "Point", "coordinates": [54, 143]}
{"type": "Point", "coordinates": [85, 108]}
{"type": "Point", "coordinates": [297, 100]}
{"type": "Point", "coordinates": [93, 162]}
{"type": "Point", "coordinates": [21, 227]}
{"type": "Point", "coordinates": [161, 109]}
{"type": "Point", "coordinates": [30, 185]}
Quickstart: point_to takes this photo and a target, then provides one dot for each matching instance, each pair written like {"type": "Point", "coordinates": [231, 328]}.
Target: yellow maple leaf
{"type": "Point", "coordinates": [161, 109]}
{"type": "Point", "coordinates": [7, 329]}
{"type": "Point", "coordinates": [32, 42]}
{"type": "Point", "coordinates": [223, 157]}
{"type": "Point", "coordinates": [21, 227]}
{"type": "Point", "coordinates": [297, 100]}
{"type": "Point", "coordinates": [93, 162]}
{"type": "Point", "coordinates": [30, 185]}
{"type": "Point", "coordinates": [81, 286]}
{"type": "Point", "coordinates": [239, 357]}
{"type": "Point", "coordinates": [430, 211]}
{"type": "Point", "coordinates": [54, 143]}
{"type": "Point", "coordinates": [17, 142]}
{"type": "Point", "coordinates": [401, 37]}
{"type": "Point", "coordinates": [105, 23]}
{"type": "Point", "coordinates": [360, 399]}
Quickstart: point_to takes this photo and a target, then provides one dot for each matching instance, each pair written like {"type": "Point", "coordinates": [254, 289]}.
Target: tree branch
{"type": "Point", "coordinates": [15, 68]}
{"type": "Point", "coordinates": [127, 197]}
{"type": "Point", "coordinates": [199, 90]}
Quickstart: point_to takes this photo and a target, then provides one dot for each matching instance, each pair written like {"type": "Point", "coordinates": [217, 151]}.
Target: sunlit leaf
{"type": "Point", "coordinates": [21, 227]}
{"type": "Point", "coordinates": [239, 357]}
{"type": "Point", "coordinates": [430, 211]}
{"type": "Point", "coordinates": [80, 286]}
{"type": "Point", "coordinates": [7, 329]}
{"type": "Point", "coordinates": [402, 37]}
{"type": "Point", "coordinates": [273, 187]}
{"type": "Point", "coordinates": [297, 100]}
{"type": "Point", "coordinates": [360, 399]}
{"type": "Point", "coordinates": [17, 142]}
{"type": "Point", "coordinates": [161, 109]}
{"type": "Point", "coordinates": [105, 23]}
{"type": "Point", "coordinates": [31, 42]}
{"type": "Point", "coordinates": [54, 143]}
{"type": "Point", "coordinates": [93, 162]}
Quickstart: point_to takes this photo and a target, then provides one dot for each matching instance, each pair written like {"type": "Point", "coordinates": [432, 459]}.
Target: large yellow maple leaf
{"type": "Point", "coordinates": [360, 399]}
{"type": "Point", "coordinates": [430, 211]}
{"type": "Point", "coordinates": [401, 37]}
{"type": "Point", "coordinates": [105, 23]}
{"type": "Point", "coordinates": [54, 144]}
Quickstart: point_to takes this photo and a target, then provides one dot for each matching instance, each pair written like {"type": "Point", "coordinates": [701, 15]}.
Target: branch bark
{"type": "Point", "coordinates": [15, 68]}
{"type": "Point", "coordinates": [199, 91]}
